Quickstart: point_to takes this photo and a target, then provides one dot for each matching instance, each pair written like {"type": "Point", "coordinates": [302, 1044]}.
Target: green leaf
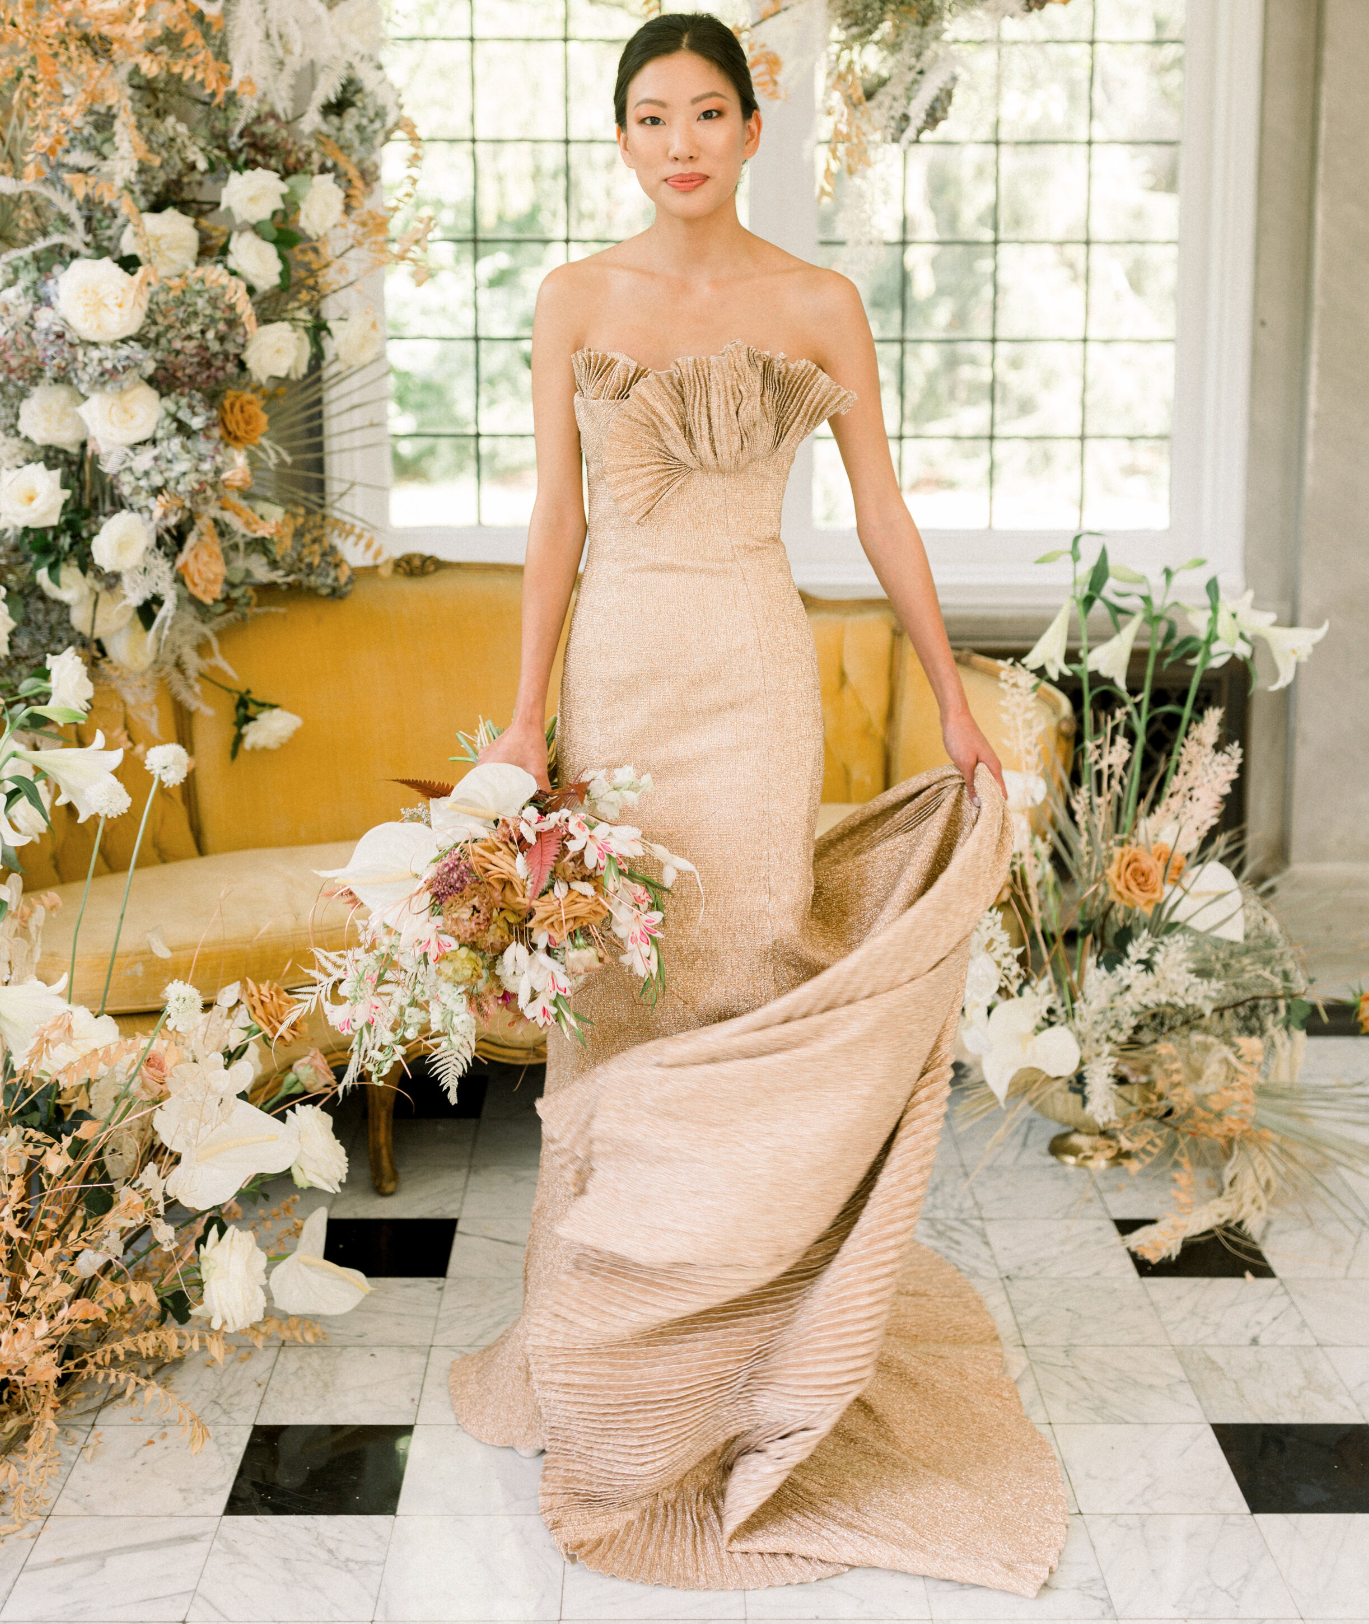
{"type": "Point", "coordinates": [1050, 557]}
{"type": "Point", "coordinates": [26, 789]}
{"type": "Point", "coordinates": [215, 1226]}
{"type": "Point", "coordinates": [1124, 572]}
{"type": "Point", "coordinates": [1214, 595]}
{"type": "Point", "coordinates": [1098, 577]}
{"type": "Point", "coordinates": [298, 185]}
{"type": "Point", "coordinates": [59, 713]}
{"type": "Point", "coordinates": [1193, 564]}
{"type": "Point", "coordinates": [265, 230]}
{"type": "Point", "coordinates": [10, 859]}
{"type": "Point", "coordinates": [1299, 1013]}
{"type": "Point", "coordinates": [175, 1305]}
{"type": "Point", "coordinates": [286, 238]}
{"type": "Point", "coordinates": [98, 1201]}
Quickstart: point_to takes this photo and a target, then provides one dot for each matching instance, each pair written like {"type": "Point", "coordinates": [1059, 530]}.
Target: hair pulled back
{"type": "Point", "coordinates": [696, 31]}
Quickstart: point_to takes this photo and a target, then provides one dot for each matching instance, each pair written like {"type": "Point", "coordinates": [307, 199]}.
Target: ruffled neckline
{"type": "Point", "coordinates": [587, 363]}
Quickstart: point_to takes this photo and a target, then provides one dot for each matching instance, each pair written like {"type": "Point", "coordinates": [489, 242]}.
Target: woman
{"type": "Point", "coordinates": [743, 1370]}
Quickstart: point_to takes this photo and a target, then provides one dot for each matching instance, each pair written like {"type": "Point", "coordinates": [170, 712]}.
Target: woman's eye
{"type": "Point", "coordinates": [711, 112]}
{"type": "Point", "coordinates": [652, 119]}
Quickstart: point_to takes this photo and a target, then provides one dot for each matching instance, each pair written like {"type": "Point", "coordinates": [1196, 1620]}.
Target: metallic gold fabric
{"type": "Point", "coordinates": [743, 1369]}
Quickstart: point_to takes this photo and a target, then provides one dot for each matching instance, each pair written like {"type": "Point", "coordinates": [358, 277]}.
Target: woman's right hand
{"type": "Point", "coordinates": [524, 746]}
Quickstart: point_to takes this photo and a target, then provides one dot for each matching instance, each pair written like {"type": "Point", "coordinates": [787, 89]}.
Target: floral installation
{"type": "Point", "coordinates": [496, 898]}
{"type": "Point", "coordinates": [181, 251]}
{"type": "Point", "coordinates": [1129, 980]}
{"type": "Point", "coordinates": [128, 1160]}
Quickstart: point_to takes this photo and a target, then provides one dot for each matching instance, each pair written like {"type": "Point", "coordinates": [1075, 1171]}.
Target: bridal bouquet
{"type": "Point", "coordinates": [496, 897]}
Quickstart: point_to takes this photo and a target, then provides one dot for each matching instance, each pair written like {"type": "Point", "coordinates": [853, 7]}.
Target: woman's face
{"type": "Point", "coordinates": [686, 138]}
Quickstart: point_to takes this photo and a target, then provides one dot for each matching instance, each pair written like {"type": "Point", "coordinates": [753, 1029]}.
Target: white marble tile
{"type": "Point", "coordinates": [1019, 1370]}
{"type": "Point", "coordinates": [1331, 1248]}
{"type": "Point", "coordinates": [995, 1298]}
{"type": "Point", "coordinates": [961, 1241]}
{"type": "Point", "coordinates": [1053, 1191]}
{"type": "Point", "coordinates": [499, 1192]}
{"type": "Point", "coordinates": [454, 1569]}
{"type": "Point", "coordinates": [14, 1552]}
{"type": "Point", "coordinates": [227, 1394]}
{"type": "Point", "coordinates": [1095, 1313]}
{"type": "Point", "coordinates": [435, 1403]}
{"type": "Point", "coordinates": [151, 1472]}
{"type": "Point", "coordinates": [321, 1385]}
{"type": "Point", "coordinates": [279, 1570]}
{"type": "Point", "coordinates": [863, 1593]}
{"type": "Point", "coordinates": [1324, 1561]}
{"type": "Point", "coordinates": [1268, 1384]}
{"type": "Point", "coordinates": [398, 1311]}
{"type": "Point", "coordinates": [948, 1195]}
{"type": "Point", "coordinates": [1048, 1433]}
{"type": "Point", "coordinates": [1148, 1192]}
{"type": "Point", "coordinates": [1075, 1591]}
{"type": "Point", "coordinates": [474, 1312]}
{"type": "Point", "coordinates": [494, 1251]}
{"type": "Point", "coordinates": [432, 1158]}
{"type": "Point", "coordinates": [1344, 1059]}
{"type": "Point", "coordinates": [1191, 1567]}
{"type": "Point", "coordinates": [451, 1474]}
{"type": "Point", "coordinates": [586, 1594]}
{"type": "Point", "coordinates": [1017, 1138]}
{"type": "Point", "coordinates": [510, 1141]}
{"type": "Point", "coordinates": [1058, 1249]}
{"type": "Point", "coordinates": [106, 1568]}
{"type": "Point", "coordinates": [1114, 1385]}
{"type": "Point", "coordinates": [1352, 1366]}
{"type": "Point", "coordinates": [1227, 1313]}
{"type": "Point", "coordinates": [1150, 1467]}
{"type": "Point", "coordinates": [1336, 1311]}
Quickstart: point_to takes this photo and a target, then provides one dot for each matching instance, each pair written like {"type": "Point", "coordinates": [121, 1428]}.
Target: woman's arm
{"type": "Point", "coordinates": [886, 529]}
{"type": "Point", "coordinates": [556, 533]}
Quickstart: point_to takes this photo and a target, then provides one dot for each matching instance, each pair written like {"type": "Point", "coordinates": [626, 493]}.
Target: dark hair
{"type": "Point", "coordinates": [697, 31]}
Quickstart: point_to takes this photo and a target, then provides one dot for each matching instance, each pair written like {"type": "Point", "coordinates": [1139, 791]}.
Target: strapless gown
{"type": "Point", "coordinates": [743, 1368]}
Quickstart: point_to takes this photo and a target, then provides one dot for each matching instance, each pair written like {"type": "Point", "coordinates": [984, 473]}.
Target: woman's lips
{"type": "Point", "coordinates": [685, 183]}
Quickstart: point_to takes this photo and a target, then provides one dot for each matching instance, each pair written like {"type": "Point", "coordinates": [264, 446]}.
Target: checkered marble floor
{"type": "Point", "coordinates": [1212, 1419]}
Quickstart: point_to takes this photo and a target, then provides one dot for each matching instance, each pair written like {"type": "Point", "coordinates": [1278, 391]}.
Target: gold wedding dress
{"type": "Point", "coordinates": [743, 1369]}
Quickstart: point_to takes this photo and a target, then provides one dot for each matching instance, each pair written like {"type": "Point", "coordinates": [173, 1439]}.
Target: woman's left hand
{"type": "Point", "coordinates": [967, 747]}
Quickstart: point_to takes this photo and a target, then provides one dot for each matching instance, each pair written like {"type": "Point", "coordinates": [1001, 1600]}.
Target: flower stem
{"type": "Point", "coordinates": [90, 875]}
{"type": "Point", "coordinates": [128, 886]}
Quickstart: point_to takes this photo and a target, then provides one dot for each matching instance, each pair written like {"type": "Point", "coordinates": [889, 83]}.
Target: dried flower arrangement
{"type": "Point", "coordinates": [185, 215]}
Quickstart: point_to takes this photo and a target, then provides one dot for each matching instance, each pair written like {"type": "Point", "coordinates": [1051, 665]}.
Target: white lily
{"type": "Point", "coordinates": [81, 775]}
{"type": "Point", "coordinates": [1049, 649]}
{"type": "Point", "coordinates": [1008, 1042]}
{"type": "Point", "coordinates": [307, 1283]}
{"type": "Point", "coordinates": [216, 1167]}
{"type": "Point", "coordinates": [487, 793]}
{"type": "Point", "coordinates": [24, 1007]}
{"type": "Point", "coordinates": [1111, 659]}
{"type": "Point", "coordinates": [1290, 645]}
{"type": "Point", "coordinates": [1236, 622]}
{"type": "Point", "coordinates": [1208, 898]}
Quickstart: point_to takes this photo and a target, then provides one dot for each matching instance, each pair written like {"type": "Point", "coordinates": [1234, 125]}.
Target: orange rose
{"type": "Point", "coordinates": [1362, 1013]}
{"type": "Point", "coordinates": [1172, 863]}
{"type": "Point", "coordinates": [242, 418]}
{"type": "Point", "coordinates": [1134, 878]}
{"type": "Point", "coordinates": [201, 562]}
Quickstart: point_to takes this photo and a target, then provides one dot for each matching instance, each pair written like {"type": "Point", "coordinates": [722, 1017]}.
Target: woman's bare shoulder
{"type": "Point", "coordinates": [570, 291]}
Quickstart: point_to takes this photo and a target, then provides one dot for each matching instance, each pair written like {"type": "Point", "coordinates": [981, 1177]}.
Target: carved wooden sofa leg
{"type": "Point", "coordinates": [380, 1131]}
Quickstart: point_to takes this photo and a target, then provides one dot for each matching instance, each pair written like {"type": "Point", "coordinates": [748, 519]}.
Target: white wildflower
{"type": "Point", "coordinates": [183, 1005]}
{"type": "Point", "coordinates": [168, 763]}
{"type": "Point", "coordinates": [271, 729]}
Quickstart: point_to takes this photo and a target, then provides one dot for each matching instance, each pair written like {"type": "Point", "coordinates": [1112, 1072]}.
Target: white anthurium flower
{"type": "Point", "coordinates": [1111, 659]}
{"type": "Point", "coordinates": [307, 1283]}
{"type": "Point", "coordinates": [1008, 1042]}
{"type": "Point", "coordinates": [1208, 898]}
{"type": "Point", "coordinates": [71, 684]}
{"type": "Point", "coordinates": [87, 1033]}
{"type": "Point", "coordinates": [233, 1270]}
{"type": "Point", "coordinates": [387, 864]}
{"type": "Point", "coordinates": [204, 1095]}
{"type": "Point", "coordinates": [487, 793]}
{"type": "Point", "coordinates": [24, 1007]}
{"type": "Point", "coordinates": [982, 976]}
{"type": "Point", "coordinates": [217, 1166]}
{"type": "Point", "coordinates": [81, 775]}
{"type": "Point", "coordinates": [101, 614]}
{"type": "Point", "coordinates": [1290, 646]}
{"type": "Point", "coordinates": [1049, 649]}
{"type": "Point", "coordinates": [131, 647]}
{"type": "Point", "coordinates": [322, 1162]}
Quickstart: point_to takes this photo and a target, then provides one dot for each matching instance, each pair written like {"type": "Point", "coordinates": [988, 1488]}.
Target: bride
{"type": "Point", "coordinates": [742, 1368]}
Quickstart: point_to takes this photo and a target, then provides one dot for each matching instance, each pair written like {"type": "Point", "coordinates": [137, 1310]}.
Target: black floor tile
{"type": "Point", "coordinates": [421, 1095]}
{"type": "Point", "coordinates": [1291, 1468]}
{"type": "Point", "coordinates": [391, 1246]}
{"type": "Point", "coordinates": [1220, 1254]}
{"type": "Point", "coordinates": [1334, 1021]}
{"type": "Point", "coordinates": [320, 1472]}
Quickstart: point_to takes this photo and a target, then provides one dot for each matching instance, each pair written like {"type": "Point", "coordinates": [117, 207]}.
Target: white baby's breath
{"type": "Point", "coordinates": [168, 763]}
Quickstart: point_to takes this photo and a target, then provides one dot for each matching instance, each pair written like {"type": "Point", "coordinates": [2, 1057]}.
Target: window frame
{"type": "Point", "coordinates": [988, 569]}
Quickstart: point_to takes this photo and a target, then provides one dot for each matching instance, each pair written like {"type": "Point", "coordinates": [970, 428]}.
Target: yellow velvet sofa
{"type": "Point", "coordinates": [226, 885]}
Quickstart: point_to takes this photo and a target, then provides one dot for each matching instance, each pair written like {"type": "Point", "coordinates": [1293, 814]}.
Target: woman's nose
{"type": "Point", "coordinates": [682, 142]}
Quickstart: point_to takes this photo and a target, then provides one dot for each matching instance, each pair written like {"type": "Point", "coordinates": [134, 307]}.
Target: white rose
{"type": "Point", "coordinates": [172, 236]}
{"type": "Point", "coordinates": [131, 647]}
{"type": "Point", "coordinates": [322, 1162]}
{"type": "Point", "coordinates": [99, 302]}
{"type": "Point", "coordinates": [358, 338]}
{"type": "Point", "coordinates": [71, 584]}
{"type": "Point", "coordinates": [51, 416]}
{"type": "Point", "coordinates": [123, 417]}
{"type": "Point", "coordinates": [32, 496]}
{"type": "Point", "coordinates": [100, 613]}
{"type": "Point", "coordinates": [322, 208]}
{"type": "Point", "coordinates": [122, 540]}
{"type": "Point", "coordinates": [7, 624]}
{"type": "Point", "coordinates": [257, 262]}
{"type": "Point", "coordinates": [277, 350]}
{"type": "Point", "coordinates": [71, 684]}
{"type": "Point", "coordinates": [253, 194]}
{"type": "Point", "coordinates": [270, 730]}
{"type": "Point", "coordinates": [233, 1269]}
